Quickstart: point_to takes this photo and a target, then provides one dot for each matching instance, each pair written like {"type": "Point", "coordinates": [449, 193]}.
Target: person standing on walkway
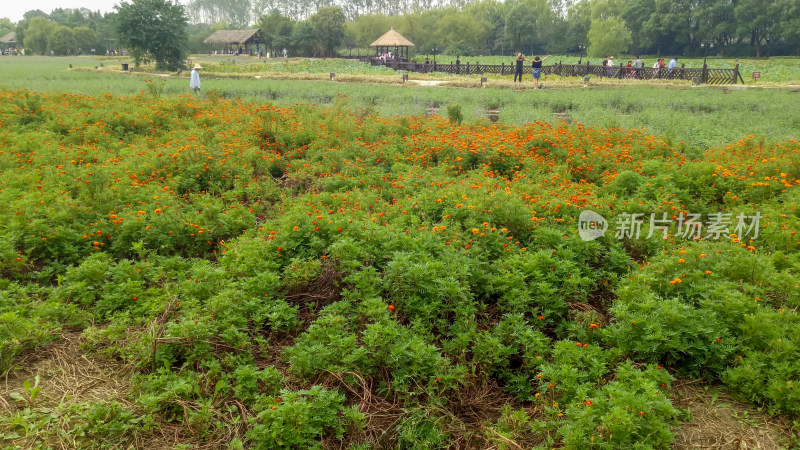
{"type": "Point", "coordinates": [673, 64]}
{"type": "Point", "coordinates": [638, 64]}
{"type": "Point", "coordinates": [536, 70]}
{"type": "Point", "coordinates": [518, 71]}
{"type": "Point", "coordinates": [194, 79]}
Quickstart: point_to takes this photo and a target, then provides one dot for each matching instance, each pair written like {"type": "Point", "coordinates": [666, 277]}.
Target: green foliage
{"type": "Point", "coordinates": [327, 346]}
{"type": "Point", "coordinates": [232, 253]}
{"type": "Point", "coordinates": [455, 114]}
{"type": "Point", "coordinates": [632, 408]}
{"type": "Point", "coordinates": [276, 29]}
{"type": "Point", "coordinates": [327, 26]}
{"type": "Point", "coordinates": [152, 30]}
{"type": "Point", "coordinates": [608, 37]}
{"type": "Point", "coordinates": [38, 34]}
{"type": "Point", "coordinates": [418, 430]}
{"type": "Point", "coordinates": [299, 419]}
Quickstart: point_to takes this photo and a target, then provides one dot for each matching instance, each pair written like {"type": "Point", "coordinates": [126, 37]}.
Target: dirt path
{"type": "Point", "coordinates": [428, 82]}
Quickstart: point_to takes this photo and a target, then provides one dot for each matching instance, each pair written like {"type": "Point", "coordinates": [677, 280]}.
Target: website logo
{"type": "Point", "coordinates": [591, 225]}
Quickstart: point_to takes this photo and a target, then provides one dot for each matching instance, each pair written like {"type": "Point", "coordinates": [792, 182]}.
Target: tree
{"type": "Point", "coordinates": [328, 29]}
{"type": "Point", "coordinates": [39, 33]}
{"type": "Point", "coordinates": [462, 33]}
{"type": "Point", "coordinates": [494, 12]}
{"type": "Point", "coordinates": [418, 27]}
{"type": "Point", "coordinates": [153, 29]}
{"type": "Point", "coordinates": [365, 29]}
{"type": "Point", "coordinates": [753, 17]}
{"type": "Point", "coordinates": [635, 13]}
{"type": "Point", "coordinates": [237, 12]}
{"type": "Point", "coordinates": [608, 36]}
{"type": "Point", "coordinates": [530, 25]}
{"type": "Point", "coordinates": [579, 20]}
{"type": "Point", "coordinates": [789, 24]}
{"type": "Point", "coordinates": [62, 39]}
{"type": "Point", "coordinates": [84, 38]}
{"type": "Point", "coordinates": [35, 13]}
{"type": "Point", "coordinates": [6, 26]}
{"type": "Point", "coordinates": [303, 37]}
{"type": "Point", "coordinates": [276, 30]}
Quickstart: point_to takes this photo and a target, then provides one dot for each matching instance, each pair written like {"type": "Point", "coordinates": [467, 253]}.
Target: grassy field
{"type": "Point", "coordinates": [292, 264]}
{"type": "Point", "coordinates": [700, 117]}
{"type": "Point", "coordinates": [781, 69]}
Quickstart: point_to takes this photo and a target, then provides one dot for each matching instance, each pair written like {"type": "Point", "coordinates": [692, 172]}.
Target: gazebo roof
{"type": "Point", "coordinates": [233, 37]}
{"type": "Point", "coordinates": [392, 39]}
{"type": "Point", "coordinates": [8, 38]}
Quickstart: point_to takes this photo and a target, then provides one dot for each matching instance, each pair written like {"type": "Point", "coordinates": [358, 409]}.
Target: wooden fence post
{"type": "Point", "coordinates": [467, 67]}
{"type": "Point", "coordinates": [503, 69]}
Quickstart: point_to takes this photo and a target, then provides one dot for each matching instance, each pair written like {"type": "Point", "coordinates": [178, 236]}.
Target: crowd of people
{"type": "Point", "coordinates": [388, 56]}
{"type": "Point", "coordinates": [633, 68]}
{"type": "Point", "coordinates": [12, 52]}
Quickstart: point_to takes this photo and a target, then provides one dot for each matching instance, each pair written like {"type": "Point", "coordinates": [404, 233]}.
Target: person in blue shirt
{"type": "Point", "coordinates": [672, 66]}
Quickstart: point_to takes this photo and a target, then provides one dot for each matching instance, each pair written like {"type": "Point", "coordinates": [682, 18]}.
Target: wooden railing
{"type": "Point", "coordinates": [697, 75]}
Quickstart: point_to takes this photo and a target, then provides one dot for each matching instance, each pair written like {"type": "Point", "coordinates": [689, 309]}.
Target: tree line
{"type": "Point", "coordinates": [482, 27]}
{"type": "Point", "coordinates": [596, 27]}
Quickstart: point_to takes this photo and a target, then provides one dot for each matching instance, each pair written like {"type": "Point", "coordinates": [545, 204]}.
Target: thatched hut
{"type": "Point", "coordinates": [8, 41]}
{"type": "Point", "coordinates": [236, 39]}
{"type": "Point", "coordinates": [394, 42]}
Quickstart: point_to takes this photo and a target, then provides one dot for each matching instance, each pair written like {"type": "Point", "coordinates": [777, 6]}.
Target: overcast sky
{"type": "Point", "coordinates": [14, 9]}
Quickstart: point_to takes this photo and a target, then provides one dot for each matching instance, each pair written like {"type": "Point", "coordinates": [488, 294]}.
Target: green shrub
{"type": "Point", "coordinates": [299, 419]}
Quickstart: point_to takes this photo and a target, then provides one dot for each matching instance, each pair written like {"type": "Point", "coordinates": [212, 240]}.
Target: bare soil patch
{"type": "Point", "coordinates": [720, 422]}
{"type": "Point", "coordinates": [66, 375]}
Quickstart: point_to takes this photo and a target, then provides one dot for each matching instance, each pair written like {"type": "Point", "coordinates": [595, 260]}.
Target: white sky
{"type": "Point", "coordinates": [15, 9]}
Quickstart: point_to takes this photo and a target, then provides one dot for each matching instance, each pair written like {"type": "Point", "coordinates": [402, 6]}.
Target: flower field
{"type": "Point", "coordinates": [301, 277]}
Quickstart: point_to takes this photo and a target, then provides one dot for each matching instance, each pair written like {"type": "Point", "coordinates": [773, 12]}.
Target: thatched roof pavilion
{"type": "Point", "coordinates": [235, 38]}
{"type": "Point", "coordinates": [9, 40]}
{"type": "Point", "coordinates": [392, 41]}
